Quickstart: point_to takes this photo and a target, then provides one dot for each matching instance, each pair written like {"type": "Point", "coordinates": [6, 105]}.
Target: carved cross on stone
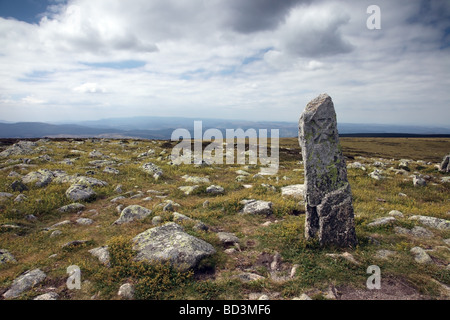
{"type": "Point", "coordinates": [329, 208]}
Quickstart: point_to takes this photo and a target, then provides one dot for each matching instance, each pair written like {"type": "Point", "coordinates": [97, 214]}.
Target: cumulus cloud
{"type": "Point", "coordinates": [259, 59]}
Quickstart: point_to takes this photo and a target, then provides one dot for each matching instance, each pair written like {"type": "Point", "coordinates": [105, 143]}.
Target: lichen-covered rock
{"type": "Point", "coordinates": [329, 208]}
{"type": "Point", "coordinates": [6, 256]}
{"type": "Point", "coordinates": [25, 282]}
{"type": "Point", "coordinates": [102, 254]}
{"type": "Point", "coordinates": [73, 207]}
{"type": "Point", "coordinates": [187, 190]}
{"type": "Point", "coordinates": [84, 221]}
{"type": "Point", "coordinates": [421, 256]}
{"type": "Point", "coordinates": [18, 186]}
{"type": "Point", "coordinates": [215, 189]}
{"type": "Point", "coordinates": [381, 221]}
{"type": "Point", "coordinates": [80, 192]}
{"type": "Point", "coordinates": [419, 181]}
{"type": "Point", "coordinates": [227, 238]}
{"type": "Point", "coordinates": [295, 190]}
{"type": "Point", "coordinates": [40, 178]}
{"type": "Point", "coordinates": [132, 213]}
{"type": "Point", "coordinates": [126, 291]}
{"type": "Point", "coordinates": [152, 169]}
{"type": "Point", "coordinates": [257, 207]}
{"type": "Point", "coordinates": [194, 179]}
{"type": "Point", "coordinates": [433, 222]}
{"type": "Point", "coordinates": [111, 170]}
{"type": "Point", "coordinates": [48, 296]}
{"type": "Point", "coordinates": [19, 148]}
{"type": "Point", "coordinates": [170, 243]}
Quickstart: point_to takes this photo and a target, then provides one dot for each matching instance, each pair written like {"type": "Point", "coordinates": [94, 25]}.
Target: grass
{"type": "Point", "coordinates": [214, 278]}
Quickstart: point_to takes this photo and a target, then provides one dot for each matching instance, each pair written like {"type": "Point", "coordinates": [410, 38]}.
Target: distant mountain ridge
{"type": "Point", "coordinates": [162, 128]}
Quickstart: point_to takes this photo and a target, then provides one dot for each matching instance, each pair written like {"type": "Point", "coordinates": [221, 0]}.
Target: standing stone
{"type": "Point", "coordinates": [445, 164]}
{"type": "Point", "coordinates": [329, 209]}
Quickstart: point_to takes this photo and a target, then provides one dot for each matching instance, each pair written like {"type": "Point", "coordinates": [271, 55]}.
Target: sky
{"type": "Point", "coordinates": [71, 60]}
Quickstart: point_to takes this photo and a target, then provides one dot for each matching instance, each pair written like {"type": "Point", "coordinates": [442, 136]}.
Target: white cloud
{"type": "Point", "coordinates": [221, 59]}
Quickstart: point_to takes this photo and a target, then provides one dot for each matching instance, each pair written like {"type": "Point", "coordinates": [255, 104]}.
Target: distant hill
{"type": "Point", "coordinates": [162, 128]}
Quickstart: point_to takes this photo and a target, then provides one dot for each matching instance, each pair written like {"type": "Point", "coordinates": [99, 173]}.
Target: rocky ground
{"type": "Point", "coordinates": [138, 226]}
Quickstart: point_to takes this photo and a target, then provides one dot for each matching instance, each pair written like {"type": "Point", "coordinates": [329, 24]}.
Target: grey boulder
{"type": "Point", "coordinates": [257, 207]}
{"type": "Point", "coordinates": [132, 213]}
{"type": "Point", "coordinates": [170, 243]}
{"type": "Point", "coordinates": [80, 192]}
{"type": "Point", "coordinates": [25, 282]}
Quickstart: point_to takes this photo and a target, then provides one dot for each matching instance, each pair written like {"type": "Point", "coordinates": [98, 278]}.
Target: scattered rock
{"type": "Point", "coordinates": [419, 181]}
{"type": "Point", "coordinates": [227, 238]}
{"type": "Point", "coordinates": [420, 255]}
{"type": "Point", "coordinates": [170, 243]}
{"type": "Point", "coordinates": [132, 213]}
{"type": "Point", "coordinates": [152, 169]}
{"type": "Point", "coordinates": [48, 296]}
{"type": "Point", "coordinates": [381, 222]}
{"type": "Point", "coordinates": [304, 296]}
{"type": "Point", "coordinates": [215, 189]}
{"type": "Point", "coordinates": [40, 178]}
{"type": "Point", "coordinates": [80, 192]}
{"type": "Point", "coordinates": [384, 254]}
{"type": "Point", "coordinates": [111, 170]}
{"type": "Point", "coordinates": [347, 256]}
{"type": "Point", "coordinates": [295, 190]}
{"type": "Point", "coordinates": [396, 213]}
{"type": "Point", "coordinates": [102, 254]}
{"type": "Point", "coordinates": [157, 220]}
{"type": "Point", "coordinates": [126, 291]}
{"type": "Point", "coordinates": [19, 148]}
{"type": "Point", "coordinates": [25, 282]}
{"type": "Point", "coordinates": [96, 154]}
{"type": "Point", "coordinates": [257, 207]}
{"type": "Point", "coordinates": [188, 189]}
{"type": "Point", "coordinates": [432, 222]}
{"type": "Point", "coordinates": [73, 207]}
{"type": "Point", "coordinates": [377, 174]}
{"type": "Point", "coordinates": [196, 180]}
{"type": "Point", "coordinates": [21, 197]}
{"type": "Point", "coordinates": [84, 221]}
{"type": "Point", "coordinates": [74, 244]}
{"type": "Point", "coordinates": [249, 277]}
{"type": "Point", "coordinates": [6, 257]}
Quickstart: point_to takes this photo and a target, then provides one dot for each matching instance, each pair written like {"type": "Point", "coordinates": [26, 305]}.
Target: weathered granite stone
{"type": "Point", "coordinates": [126, 291]}
{"type": "Point", "coordinates": [296, 191]}
{"type": "Point", "coordinates": [152, 169]}
{"type": "Point", "coordinates": [132, 213]}
{"type": "Point", "coordinates": [80, 192]}
{"type": "Point", "coordinates": [48, 296]}
{"type": "Point", "coordinates": [170, 243]}
{"type": "Point", "coordinates": [6, 256]}
{"type": "Point", "coordinates": [329, 209]}
{"type": "Point", "coordinates": [102, 254]}
{"type": "Point", "coordinates": [25, 282]}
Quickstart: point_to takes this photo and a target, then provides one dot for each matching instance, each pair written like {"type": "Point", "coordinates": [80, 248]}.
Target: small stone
{"type": "Point", "coordinates": [304, 296]}
{"type": "Point", "coordinates": [102, 253]}
{"type": "Point", "coordinates": [6, 257]}
{"type": "Point", "coordinates": [264, 297]}
{"type": "Point", "coordinates": [118, 189]}
{"type": "Point", "coordinates": [230, 250]}
{"type": "Point", "coordinates": [80, 192]}
{"type": "Point", "coordinates": [73, 207]}
{"type": "Point", "coordinates": [215, 189]}
{"type": "Point", "coordinates": [381, 222]}
{"type": "Point", "coordinates": [178, 217]}
{"type": "Point", "coordinates": [419, 181]}
{"type": "Point", "coordinates": [21, 197]}
{"type": "Point", "coordinates": [227, 238]}
{"type": "Point", "coordinates": [257, 207]}
{"type": "Point", "coordinates": [74, 244]}
{"type": "Point", "coordinates": [84, 221]}
{"type": "Point", "coordinates": [126, 291]}
{"type": "Point", "coordinates": [48, 296]}
{"type": "Point", "coordinates": [55, 233]}
{"type": "Point", "coordinates": [116, 199]}
{"type": "Point", "coordinates": [396, 213]}
{"type": "Point", "coordinates": [205, 204]}
{"type": "Point", "coordinates": [156, 220]}
{"type": "Point", "coordinates": [132, 213]}
{"type": "Point", "coordinates": [249, 277]}
{"type": "Point", "coordinates": [187, 190]}
{"type": "Point", "coordinates": [296, 191]}
{"type": "Point", "coordinates": [420, 255]}
{"type": "Point", "coordinates": [432, 222]}
{"type": "Point", "coordinates": [384, 254]}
